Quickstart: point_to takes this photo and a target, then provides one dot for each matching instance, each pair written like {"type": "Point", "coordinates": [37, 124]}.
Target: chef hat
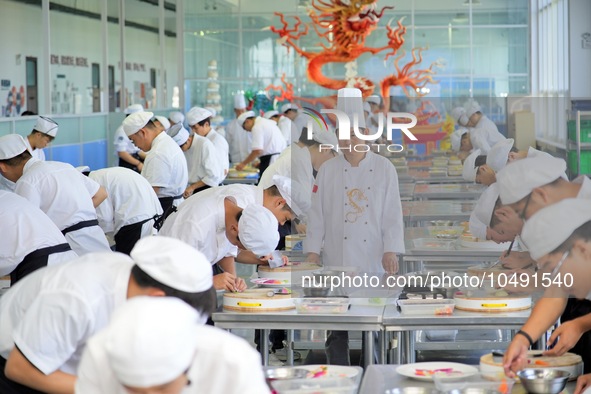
{"type": "Point", "coordinates": [258, 230]}
{"type": "Point", "coordinates": [486, 204]}
{"type": "Point", "coordinates": [522, 176]}
{"type": "Point", "coordinates": [548, 228]}
{"type": "Point", "coordinates": [244, 116]}
{"type": "Point", "coordinates": [197, 114]}
{"type": "Point", "coordinates": [151, 341]}
{"type": "Point", "coordinates": [459, 115]}
{"type": "Point", "coordinates": [270, 114]}
{"type": "Point", "coordinates": [12, 145]}
{"type": "Point", "coordinates": [212, 110]}
{"type": "Point", "coordinates": [176, 117]}
{"type": "Point", "coordinates": [288, 106]}
{"type": "Point", "coordinates": [373, 99]}
{"type": "Point", "coordinates": [46, 126]}
{"type": "Point", "coordinates": [163, 121]}
{"type": "Point", "coordinates": [292, 195]}
{"type": "Point", "coordinates": [349, 101]}
{"type": "Point", "coordinates": [133, 108]}
{"type": "Point", "coordinates": [325, 137]}
{"type": "Point", "coordinates": [239, 101]}
{"type": "Point", "coordinates": [178, 133]}
{"type": "Point", "coordinates": [469, 171]}
{"type": "Point", "coordinates": [134, 122]}
{"type": "Point", "coordinates": [456, 138]}
{"type": "Point", "coordinates": [498, 155]}
{"type": "Point", "coordinates": [471, 108]}
{"type": "Point", "coordinates": [477, 228]}
{"type": "Point", "coordinates": [366, 107]}
{"type": "Point", "coordinates": [174, 263]}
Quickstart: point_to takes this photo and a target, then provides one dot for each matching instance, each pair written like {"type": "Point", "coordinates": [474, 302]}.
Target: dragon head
{"type": "Point", "coordinates": [361, 15]}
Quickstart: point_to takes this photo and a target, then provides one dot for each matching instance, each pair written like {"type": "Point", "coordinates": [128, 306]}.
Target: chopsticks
{"type": "Point", "coordinates": [510, 247]}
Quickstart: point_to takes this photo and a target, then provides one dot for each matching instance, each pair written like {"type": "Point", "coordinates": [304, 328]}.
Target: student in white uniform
{"type": "Point", "coordinates": [33, 240]}
{"type": "Point", "coordinates": [559, 238]}
{"type": "Point", "coordinates": [482, 169]}
{"type": "Point", "coordinates": [44, 132]}
{"type": "Point", "coordinates": [267, 140]}
{"type": "Point", "coordinates": [162, 122]}
{"type": "Point", "coordinates": [158, 345]}
{"type": "Point", "coordinates": [48, 316]}
{"type": "Point", "coordinates": [200, 118]}
{"type": "Point", "coordinates": [356, 216]}
{"type": "Point", "coordinates": [239, 141]}
{"type": "Point", "coordinates": [290, 112]}
{"type": "Point", "coordinates": [65, 195]}
{"type": "Point", "coordinates": [218, 227]}
{"type": "Point", "coordinates": [176, 117]}
{"type": "Point", "coordinates": [165, 166]}
{"type": "Point", "coordinates": [130, 156]}
{"type": "Point", "coordinates": [484, 133]}
{"type": "Point", "coordinates": [129, 211]}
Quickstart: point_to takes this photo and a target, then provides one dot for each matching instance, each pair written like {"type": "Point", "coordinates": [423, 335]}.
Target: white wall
{"type": "Point", "coordinates": [21, 28]}
{"type": "Point", "coordinates": [580, 59]}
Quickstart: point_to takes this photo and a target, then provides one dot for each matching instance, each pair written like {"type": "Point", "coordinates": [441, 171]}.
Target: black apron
{"type": "Point", "coordinates": [123, 163]}
{"type": "Point", "coordinates": [264, 163]}
{"type": "Point", "coordinates": [200, 189]}
{"type": "Point", "coordinates": [35, 260]}
{"type": "Point", "coordinates": [80, 225]}
{"type": "Point", "coordinates": [127, 236]}
{"type": "Point", "coordinates": [167, 209]}
{"type": "Point", "coordinates": [8, 386]}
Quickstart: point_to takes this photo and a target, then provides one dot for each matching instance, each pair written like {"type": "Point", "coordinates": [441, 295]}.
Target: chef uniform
{"type": "Point", "coordinates": [7, 185]}
{"type": "Point", "coordinates": [239, 140]}
{"type": "Point", "coordinates": [33, 240]}
{"type": "Point", "coordinates": [123, 143]}
{"type": "Point", "coordinates": [165, 166]}
{"type": "Point", "coordinates": [129, 210]}
{"type": "Point", "coordinates": [152, 341]}
{"type": "Point", "coordinates": [46, 126]}
{"type": "Point", "coordinates": [469, 169]}
{"type": "Point", "coordinates": [485, 134]}
{"type": "Point", "coordinates": [196, 115]}
{"type": "Point", "coordinates": [62, 193]}
{"type": "Point", "coordinates": [295, 126]}
{"type": "Point", "coordinates": [51, 313]}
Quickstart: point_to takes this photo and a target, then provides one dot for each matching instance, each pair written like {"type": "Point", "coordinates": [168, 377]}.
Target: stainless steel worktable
{"type": "Point", "coordinates": [358, 318]}
{"type": "Point", "coordinates": [422, 176]}
{"type": "Point", "coordinates": [246, 181]}
{"type": "Point", "coordinates": [425, 210]}
{"type": "Point", "coordinates": [452, 191]}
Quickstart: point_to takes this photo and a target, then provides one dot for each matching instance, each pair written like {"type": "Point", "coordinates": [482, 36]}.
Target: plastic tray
{"type": "Point", "coordinates": [315, 386]}
{"type": "Point", "coordinates": [433, 243]}
{"type": "Point", "coordinates": [333, 305]}
{"type": "Point", "coordinates": [476, 383]}
{"type": "Point", "coordinates": [445, 232]}
{"type": "Point", "coordinates": [426, 307]}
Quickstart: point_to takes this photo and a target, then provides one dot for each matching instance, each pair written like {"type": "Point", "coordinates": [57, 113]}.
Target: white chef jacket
{"type": "Point", "coordinates": [65, 195]}
{"type": "Point", "coordinates": [131, 200]}
{"type": "Point", "coordinates": [221, 149]}
{"type": "Point", "coordinates": [267, 137]}
{"type": "Point", "coordinates": [239, 142]}
{"type": "Point", "coordinates": [300, 122]}
{"type": "Point", "coordinates": [202, 162]}
{"type": "Point", "coordinates": [200, 222]}
{"type": "Point", "coordinates": [485, 135]}
{"type": "Point", "coordinates": [285, 125]}
{"type": "Point", "coordinates": [29, 229]}
{"type": "Point", "coordinates": [531, 152]}
{"type": "Point", "coordinates": [357, 212]}
{"type": "Point", "coordinates": [165, 167]}
{"type": "Point", "coordinates": [36, 153]}
{"type": "Point", "coordinates": [123, 143]}
{"type": "Point", "coordinates": [51, 313]}
{"type": "Point", "coordinates": [243, 194]}
{"type": "Point", "coordinates": [218, 354]}
{"type": "Point", "coordinates": [7, 185]}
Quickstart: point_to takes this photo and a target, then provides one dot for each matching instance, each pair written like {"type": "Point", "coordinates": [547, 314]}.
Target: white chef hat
{"type": "Point", "coordinates": [459, 115]}
{"type": "Point", "coordinates": [548, 228]}
{"type": "Point", "coordinates": [178, 133]}
{"type": "Point", "coordinates": [366, 107]}
{"type": "Point", "coordinates": [288, 106]}
{"type": "Point", "coordinates": [151, 341]}
{"type": "Point", "coordinates": [133, 108]}
{"type": "Point", "coordinates": [456, 138]}
{"type": "Point", "coordinates": [373, 99]}
{"type": "Point", "coordinates": [292, 193]}
{"type": "Point", "coordinates": [174, 263]}
{"type": "Point", "coordinates": [163, 121]}
{"type": "Point", "coordinates": [134, 122]}
{"type": "Point", "coordinates": [258, 230]}
{"type": "Point", "coordinates": [522, 176]}
{"type": "Point", "coordinates": [46, 125]}
{"type": "Point", "coordinates": [471, 108]}
{"type": "Point", "coordinates": [325, 137]}
{"type": "Point", "coordinates": [469, 171]}
{"type": "Point", "coordinates": [270, 114]}
{"type": "Point", "coordinates": [212, 110]}
{"type": "Point", "coordinates": [486, 204]}
{"type": "Point", "coordinates": [239, 101]}
{"type": "Point", "coordinates": [12, 145]}
{"type": "Point", "coordinates": [498, 155]}
{"type": "Point", "coordinates": [197, 114]}
{"type": "Point", "coordinates": [176, 117]}
{"type": "Point", "coordinates": [244, 116]}
{"type": "Point", "coordinates": [477, 228]}
{"type": "Point", "coordinates": [350, 101]}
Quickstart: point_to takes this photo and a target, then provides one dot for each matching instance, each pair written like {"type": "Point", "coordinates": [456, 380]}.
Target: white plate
{"type": "Point", "coordinates": [276, 283]}
{"type": "Point", "coordinates": [409, 370]}
{"type": "Point", "coordinates": [333, 371]}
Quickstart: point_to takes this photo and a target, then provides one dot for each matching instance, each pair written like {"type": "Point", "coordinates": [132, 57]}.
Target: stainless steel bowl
{"type": "Point", "coordinates": [543, 381]}
{"type": "Point", "coordinates": [284, 373]}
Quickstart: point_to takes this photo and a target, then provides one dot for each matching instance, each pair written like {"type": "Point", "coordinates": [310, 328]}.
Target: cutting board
{"type": "Point", "coordinates": [569, 362]}
{"type": "Point", "coordinates": [258, 300]}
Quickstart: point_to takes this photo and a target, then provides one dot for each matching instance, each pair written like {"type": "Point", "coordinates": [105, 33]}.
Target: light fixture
{"type": "Point", "coordinates": [474, 3]}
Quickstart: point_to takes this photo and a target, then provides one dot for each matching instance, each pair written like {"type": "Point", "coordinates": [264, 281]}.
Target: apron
{"type": "Point", "coordinates": [35, 260]}
{"type": "Point", "coordinates": [80, 225]}
{"type": "Point", "coordinates": [123, 163]}
{"type": "Point", "coordinates": [127, 236]}
{"type": "Point", "coordinates": [264, 163]}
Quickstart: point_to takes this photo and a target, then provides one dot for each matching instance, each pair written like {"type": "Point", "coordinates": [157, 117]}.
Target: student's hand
{"type": "Point", "coordinates": [583, 382]}
{"type": "Point", "coordinates": [140, 166]}
{"type": "Point", "coordinates": [516, 260]}
{"type": "Point", "coordinates": [515, 358]}
{"type": "Point", "coordinates": [240, 285]}
{"type": "Point", "coordinates": [188, 192]}
{"type": "Point", "coordinates": [240, 167]}
{"type": "Point", "coordinates": [313, 258]}
{"type": "Point", "coordinates": [566, 336]}
{"type": "Point", "coordinates": [390, 263]}
{"type": "Point", "coordinates": [224, 281]}
{"type": "Point", "coordinates": [301, 228]}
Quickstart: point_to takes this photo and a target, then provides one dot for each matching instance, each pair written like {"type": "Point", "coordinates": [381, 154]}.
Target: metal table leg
{"type": "Point", "coordinates": [368, 349]}
{"type": "Point", "coordinates": [264, 345]}
{"type": "Point", "coordinates": [289, 347]}
{"type": "Point", "coordinates": [382, 347]}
